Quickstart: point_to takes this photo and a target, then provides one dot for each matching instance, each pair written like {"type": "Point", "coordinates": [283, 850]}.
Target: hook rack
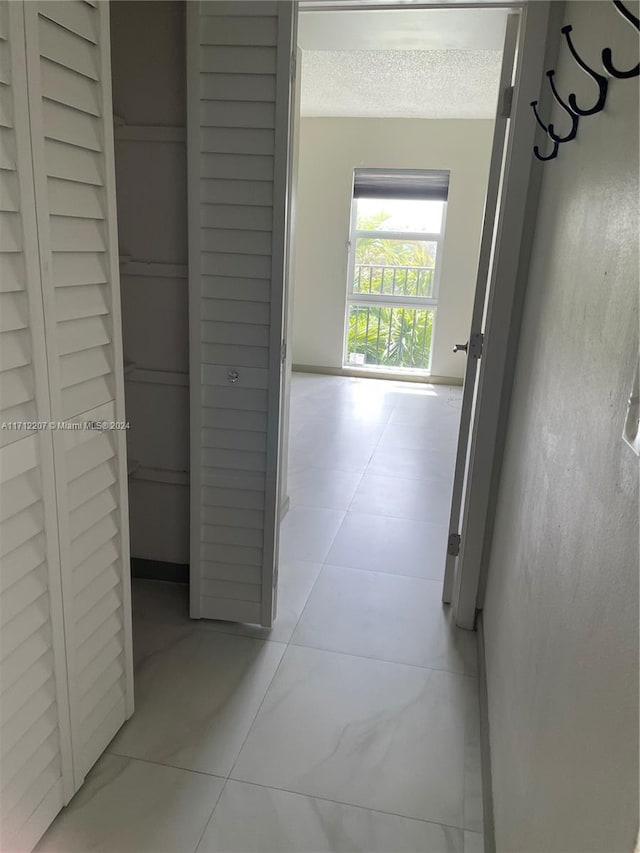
{"type": "Point", "coordinates": [570, 106]}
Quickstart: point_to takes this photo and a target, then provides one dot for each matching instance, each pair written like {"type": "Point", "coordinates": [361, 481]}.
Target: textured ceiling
{"type": "Point", "coordinates": [403, 29]}
{"type": "Point", "coordinates": [437, 84]}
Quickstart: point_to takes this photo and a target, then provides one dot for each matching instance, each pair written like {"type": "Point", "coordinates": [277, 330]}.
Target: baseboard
{"type": "Point", "coordinates": [485, 744]}
{"type": "Point", "coordinates": [423, 378]}
{"type": "Point", "coordinates": [157, 570]}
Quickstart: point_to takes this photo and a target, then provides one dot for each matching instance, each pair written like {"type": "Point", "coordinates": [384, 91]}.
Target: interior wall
{"type": "Point", "coordinates": [561, 605]}
{"type": "Point", "coordinates": [330, 149]}
{"type": "Point", "coordinates": [148, 67]}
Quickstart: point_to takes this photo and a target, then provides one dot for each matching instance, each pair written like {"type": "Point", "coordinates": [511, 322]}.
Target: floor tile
{"type": "Point", "coordinates": [362, 732]}
{"type": "Point", "coordinates": [295, 581]}
{"type": "Point", "coordinates": [196, 701]}
{"type": "Point", "coordinates": [435, 408]}
{"type": "Point", "coordinates": [308, 532]}
{"type": "Point", "coordinates": [281, 822]}
{"type": "Point", "coordinates": [160, 616]}
{"type": "Point", "coordinates": [323, 487]}
{"type": "Point", "coordinates": [412, 464]}
{"type": "Point", "coordinates": [126, 806]}
{"type": "Point", "coordinates": [386, 617]}
{"type": "Point", "coordinates": [473, 842]}
{"type": "Point", "coordinates": [420, 500]}
{"type": "Point", "coordinates": [360, 404]}
{"type": "Point", "coordinates": [440, 435]}
{"type": "Point", "coordinates": [473, 804]}
{"type": "Point", "coordinates": [412, 396]}
{"type": "Point", "coordinates": [344, 428]}
{"type": "Point", "coordinates": [395, 545]}
{"type": "Point", "coordinates": [349, 454]}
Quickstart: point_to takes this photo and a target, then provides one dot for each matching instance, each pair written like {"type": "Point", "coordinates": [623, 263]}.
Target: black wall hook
{"type": "Point", "coordinates": [556, 145]}
{"type": "Point", "coordinates": [574, 118]}
{"type": "Point", "coordinates": [534, 105]}
{"type": "Point", "coordinates": [607, 59]}
{"type": "Point", "coordinates": [552, 156]}
{"type": "Point", "coordinates": [601, 81]}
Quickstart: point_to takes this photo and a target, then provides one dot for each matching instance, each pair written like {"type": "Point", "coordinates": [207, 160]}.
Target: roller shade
{"type": "Point", "coordinates": [432, 185]}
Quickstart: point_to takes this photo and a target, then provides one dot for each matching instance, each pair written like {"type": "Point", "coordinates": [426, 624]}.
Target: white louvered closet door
{"type": "Point", "coordinates": [36, 776]}
{"type": "Point", "coordinates": [72, 140]}
{"type": "Point", "coordinates": [239, 61]}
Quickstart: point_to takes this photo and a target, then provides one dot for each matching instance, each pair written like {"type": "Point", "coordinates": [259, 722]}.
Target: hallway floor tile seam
{"type": "Point", "coordinates": [293, 505]}
{"type": "Point", "coordinates": [156, 763]}
{"type": "Point", "coordinates": [339, 803]}
{"type": "Point", "coordinates": [381, 571]}
{"type": "Point", "coordinates": [382, 660]}
{"type": "Point", "coordinates": [213, 811]}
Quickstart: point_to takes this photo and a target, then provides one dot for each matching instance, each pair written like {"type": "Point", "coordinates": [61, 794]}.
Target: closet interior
{"type": "Point", "coordinates": [149, 105]}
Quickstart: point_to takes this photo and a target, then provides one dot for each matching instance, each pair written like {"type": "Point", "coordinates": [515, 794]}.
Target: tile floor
{"type": "Point", "coordinates": [352, 724]}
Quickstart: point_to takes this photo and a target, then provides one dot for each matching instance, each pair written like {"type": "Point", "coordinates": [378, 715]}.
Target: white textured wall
{"type": "Point", "coordinates": [561, 609]}
{"type": "Point", "coordinates": [330, 149]}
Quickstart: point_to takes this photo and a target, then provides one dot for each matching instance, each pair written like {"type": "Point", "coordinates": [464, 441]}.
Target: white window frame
{"type": "Point", "coordinates": [378, 300]}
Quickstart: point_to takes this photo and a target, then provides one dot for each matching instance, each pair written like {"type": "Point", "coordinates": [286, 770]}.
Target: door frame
{"type": "Point", "coordinates": [464, 576]}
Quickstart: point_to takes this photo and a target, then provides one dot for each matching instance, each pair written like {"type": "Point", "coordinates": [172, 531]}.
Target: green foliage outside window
{"type": "Point", "coordinates": [385, 336]}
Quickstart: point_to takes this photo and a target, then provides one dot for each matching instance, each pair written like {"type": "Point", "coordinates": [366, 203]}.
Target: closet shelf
{"type": "Point", "coordinates": [157, 377]}
{"type": "Point", "coordinates": [169, 476]}
{"type": "Point", "coordinates": [149, 133]}
{"type": "Point", "coordinates": [154, 269]}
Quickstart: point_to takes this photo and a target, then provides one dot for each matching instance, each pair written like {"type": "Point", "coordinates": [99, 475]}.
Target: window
{"type": "Point", "coordinates": [397, 225]}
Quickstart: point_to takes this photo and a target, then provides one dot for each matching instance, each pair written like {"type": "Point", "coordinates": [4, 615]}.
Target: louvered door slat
{"type": "Point", "coordinates": [20, 723]}
{"type": "Point", "coordinates": [18, 785]}
{"type": "Point", "coordinates": [70, 104]}
{"type": "Point", "coordinates": [71, 162]}
{"type": "Point", "coordinates": [27, 684]}
{"type": "Point", "coordinates": [20, 562]}
{"type": "Point", "coordinates": [33, 797]}
{"type": "Point", "coordinates": [22, 593]}
{"type": "Point", "coordinates": [74, 15]}
{"type": "Point", "coordinates": [37, 776]}
{"type": "Point", "coordinates": [104, 634]}
{"type": "Point", "coordinates": [68, 125]}
{"type": "Point", "coordinates": [67, 49]}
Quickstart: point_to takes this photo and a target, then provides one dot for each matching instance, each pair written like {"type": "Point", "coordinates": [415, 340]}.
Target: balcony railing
{"type": "Point", "coordinates": [390, 337]}
{"type": "Point", "coordinates": [388, 280]}
{"type": "Point", "coordinates": [391, 315]}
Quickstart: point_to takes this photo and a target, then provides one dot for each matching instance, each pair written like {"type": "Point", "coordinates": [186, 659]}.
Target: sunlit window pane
{"type": "Point", "coordinates": [412, 215]}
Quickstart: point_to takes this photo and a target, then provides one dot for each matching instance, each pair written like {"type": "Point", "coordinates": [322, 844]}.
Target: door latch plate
{"type": "Point", "coordinates": [475, 345]}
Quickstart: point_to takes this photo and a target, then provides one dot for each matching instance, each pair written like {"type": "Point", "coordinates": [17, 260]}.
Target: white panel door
{"type": "Point", "coordinates": [72, 141]}
{"type": "Point", "coordinates": [239, 61]}
{"type": "Point", "coordinates": [502, 239]}
{"type": "Point", "coordinates": [36, 776]}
